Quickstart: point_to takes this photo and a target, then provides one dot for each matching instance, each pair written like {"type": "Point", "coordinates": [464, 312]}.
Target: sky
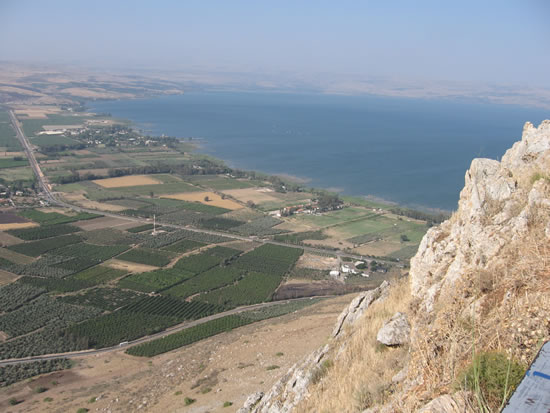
{"type": "Point", "coordinates": [488, 41]}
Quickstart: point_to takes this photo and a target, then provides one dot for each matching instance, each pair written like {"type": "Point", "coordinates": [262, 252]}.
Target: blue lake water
{"type": "Point", "coordinates": [410, 151]}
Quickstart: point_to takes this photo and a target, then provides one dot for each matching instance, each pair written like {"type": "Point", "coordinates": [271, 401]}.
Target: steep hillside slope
{"type": "Point", "coordinates": [479, 289]}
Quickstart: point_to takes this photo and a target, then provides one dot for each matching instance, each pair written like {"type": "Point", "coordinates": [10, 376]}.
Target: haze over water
{"type": "Point", "coordinates": [410, 151]}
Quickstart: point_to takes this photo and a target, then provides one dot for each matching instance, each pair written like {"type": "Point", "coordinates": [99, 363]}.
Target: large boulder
{"type": "Point", "coordinates": [395, 331]}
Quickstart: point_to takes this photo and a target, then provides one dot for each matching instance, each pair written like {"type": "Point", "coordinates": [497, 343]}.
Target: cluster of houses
{"type": "Point", "coordinates": [354, 269]}
{"type": "Point", "coordinates": [309, 209]}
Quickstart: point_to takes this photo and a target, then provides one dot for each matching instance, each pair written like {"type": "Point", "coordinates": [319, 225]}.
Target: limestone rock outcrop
{"type": "Point", "coordinates": [495, 206]}
{"type": "Point", "coordinates": [395, 331]}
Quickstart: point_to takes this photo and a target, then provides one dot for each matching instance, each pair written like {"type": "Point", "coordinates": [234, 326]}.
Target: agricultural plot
{"type": "Point", "coordinates": [8, 138]}
{"type": "Point", "coordinates": [43, 267]}
{"type": "Point", "coordinates": [31, 127]}
{"type": "Point", "coordinates": [206, 198]}
{"type": "Point", "coordinates": [221, 183]}
{"type": "Point", "coordinates": [222, 252]}
{"type": "Point", "coordinates": [258, 196]}
{"type": "Point", "coordinates": [184, 245]}
{"type": "Point", "coordinates": [261, 227]}
{"type": "Point", "coordinates": [154, 280]}
{"type": "Point", "coordinates": [167, 205]}
{"type": "Point", "coordinates": [209, 280]}
{"type": "Point", "coordinates": [104, 298]}
{"type": "Point", "coordinates": [14, 295]}
{"type": "Point", "coordinates": [211, 328]}
{"type": "Point", "coordinates": [49, 231]}
{"type": "Point", "coordinates": [91, 252]}
{"type": "Point", "coordinates": [110, 236]}
{"type": "Point", "coordinates": [198, 263]}
{"type": "Point", "coordinates": [157, 258]}
{"type": "Point", "coordinates": [47, 141]}
{"type": "Point", "coordinates": [183, 217]}
{"type": "Point", "coordinates": [126, 181]}
{"type": "Point", "coordinates": [54, 339]}
{"type": "Point", "coordinates": [141, 228]}
{"type": "Point", "coordinates": [17, 372]}
{"type": "Point", "coordinates": [219, 224]}
{"type": "Point", "coordinates": [299, 237]}
{"type": "Point", "coordinates": [166, 238]}
{"type": "Point", "coordinates": [141, 190]}
{"type": "Point", "coordinates": [12, 162]}
{"type": "Point", "coordinates": [56, 285]}
{"type": "Point", "coordinates": [53, 218]}
{"type": "Point", "coordinates": [172, 307]}
{"type": "Point", "coordinates": [36, 248]}
{"type": "Point", "coordinates": [251, 289]}
{"type": "Point", "coordinates": [22, 173]}
{"type": "Point", "coordinates": [335, 217]}
{"type": "Point", "coordinates": [99, 275]}
{"type": "Point", "coordinates": [112, 329]}
{"type": "Point", "coordinates": [40, 313]}
{"type": "Point", "coordinates": [269, 259]}
{"type": "Point", "coordinates": [187, 336]}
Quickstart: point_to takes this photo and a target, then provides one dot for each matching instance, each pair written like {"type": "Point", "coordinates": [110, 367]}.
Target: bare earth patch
{"type": "Point", "coordinates": [7, 277]}
{"type": "Point", "coordinates": [316, 262]}
{"type": "Point", "coordinates": [7, 239]}
{"type": "Point", "coordinates": [213, 199]}
{"type": "Point", "coordinates": [15, 256]}
{"type": "Point", "coordinates": [105, 222]}
{"type": "Point", "coordinates": [124, 181]}
{"type": "Point", "coordinates": [256, 195]}
{"type": "Point", "coordinates": [379, 248]}
{"type": "Point", "coordinates": [79, 199]}
{"type": "Point", "coordinates": [17, 225]}
{"type": "Point", "coordinates": [129, 266]}
{"type": "Point", "coordinates": [226, 367]}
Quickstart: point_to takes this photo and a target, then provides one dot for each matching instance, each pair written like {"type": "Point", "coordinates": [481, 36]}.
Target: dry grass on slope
{"type": "Point", "coordinates": [503, 308]}
{"type": "Point", "coordinates": [359, 375]}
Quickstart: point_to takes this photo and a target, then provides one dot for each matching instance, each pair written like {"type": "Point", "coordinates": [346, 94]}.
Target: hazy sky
{"type": "Point", "coordinates": [500, 41]}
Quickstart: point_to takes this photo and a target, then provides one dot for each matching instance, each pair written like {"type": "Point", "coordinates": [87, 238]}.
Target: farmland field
{"type": "Point", "coordinates": [111, 329]}
{"type": "Point", "coordinates": [32, 126]}
{"type": "Point", "coordinates": [50, 231]}
{"type": "Point", "coordinates": [147, 256]}
{"type": "Point", "coordinates": [12, 162]}
{"type": "Point", "coordinates": [213, 199]}
{"type": "Point", "coordinates": [123, 181]}
{"type": "Point", "coordinates": [99, 274]}
{"type": "Point", "coordinates": [154, 280]}
{"type": "Point", "coordinates": [210, 328]}
{"type": "Point", "coordinates": [103, 298]}
{"type": "Point", "coordinates": [184, 246]}
{"type": "Point", "coordinates": [36, 248]}
{"type": "Point", "coordinates": [209, 280]}
{"type": "Point", "coordinates": [53, 140]}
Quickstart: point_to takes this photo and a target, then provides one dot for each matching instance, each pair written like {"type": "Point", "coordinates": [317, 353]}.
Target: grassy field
{"type": "Point", "coordinates": [333, 217]}
{"type": "Point", "coordinates": [12, 163]}
{"type": "Point", "coordinates": [221, 183]}
{"type": "Point", "coordinates": [8, 140]}
{"type": "Point", "coordinates": [53, 140]}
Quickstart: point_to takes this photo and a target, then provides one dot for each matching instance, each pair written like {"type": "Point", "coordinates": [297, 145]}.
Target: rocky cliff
{"type": "Point", "coordinates": [479, 283]}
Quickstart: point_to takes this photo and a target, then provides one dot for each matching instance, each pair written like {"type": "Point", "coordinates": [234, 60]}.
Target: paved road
{"type": "Point", "coordinates": [50, 197]}
{"type": "Point", "coordinates": [171, 330]}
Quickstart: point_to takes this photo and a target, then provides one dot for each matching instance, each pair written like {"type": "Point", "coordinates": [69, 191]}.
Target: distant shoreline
{"type": "Point", "coordinates": [405, 152]}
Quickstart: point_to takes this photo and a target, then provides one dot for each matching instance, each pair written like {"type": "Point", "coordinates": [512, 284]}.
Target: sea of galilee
{"type": "Point", "coordinates": [409, 151]}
